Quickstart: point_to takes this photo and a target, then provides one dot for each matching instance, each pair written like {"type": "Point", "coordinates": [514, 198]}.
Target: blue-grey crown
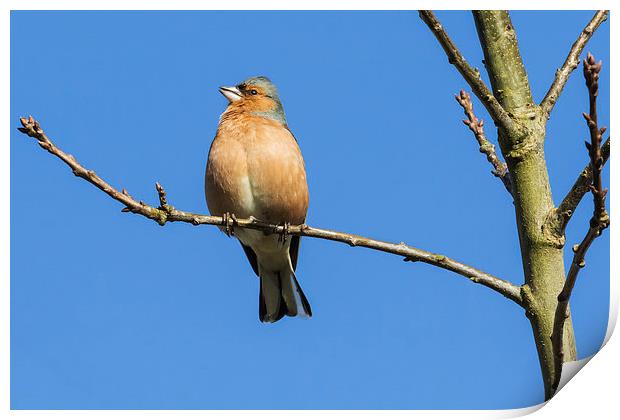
{"type": "Point", "coordinates": [271, 91]}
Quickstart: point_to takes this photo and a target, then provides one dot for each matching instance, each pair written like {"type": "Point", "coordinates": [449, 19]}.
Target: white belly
{"type": "Point", "coordinates": [269, 248]}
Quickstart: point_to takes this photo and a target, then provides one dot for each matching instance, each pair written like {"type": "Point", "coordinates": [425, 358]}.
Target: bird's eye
{"type": "Point", "coordinates": [254, 92]}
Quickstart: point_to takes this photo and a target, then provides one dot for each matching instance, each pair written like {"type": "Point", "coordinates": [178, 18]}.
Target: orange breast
{"type": "Point", "coordinates": [255, 168]}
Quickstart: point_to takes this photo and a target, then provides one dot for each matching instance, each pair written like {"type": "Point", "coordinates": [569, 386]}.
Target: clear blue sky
{"type": "Point", "coordinates": [110, 310]}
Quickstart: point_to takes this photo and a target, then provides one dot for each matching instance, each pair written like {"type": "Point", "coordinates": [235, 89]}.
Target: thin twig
{"type": "Point", "coordinates": [471, 75]}
{"type": "Point", "coordinates": [476, 126]}
{"type": "Point", "coordinates": [598, 222]}
{"type": "Point", "coordinates": [566, 209]}
{"type": "Point", "coordinates": [166, 213]}
{"type": "Point", "coordinates": [571, 62]}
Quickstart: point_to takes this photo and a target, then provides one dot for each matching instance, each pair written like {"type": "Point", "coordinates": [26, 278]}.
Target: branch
{"type": "Point", "coordinates": [166, 213]}
{"type": "Point", "coordinates": [471, 75]}
{"type": "Point", "coordinates": [571, 62]}
{"type": "Point", "coordinates": [599, 220]}
{"type": "Point", "coordinates": [566, 209]}
{"type": "Point", "coordinates": [476, 126]}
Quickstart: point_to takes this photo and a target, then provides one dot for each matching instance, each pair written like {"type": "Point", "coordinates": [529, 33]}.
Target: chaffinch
{"type": "Point", "coordinates": [255, 169]}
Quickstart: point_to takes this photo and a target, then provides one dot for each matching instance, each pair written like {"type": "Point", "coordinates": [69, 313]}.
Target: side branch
{"type": "Point", "coordinates": [476, 126]}
{"type": "Point", "coordinates": [166, 213]}
{"type": "Point", "coordinates": [598, 222]}
{"type": "Point", "coordinates": [471, 75]}
{"type": "Point", "coordinates": [571, 62]}
{"type": "Point", "coordinates": [566, 209]}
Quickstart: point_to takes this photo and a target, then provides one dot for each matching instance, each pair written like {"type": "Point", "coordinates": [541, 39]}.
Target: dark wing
{"type": "Point", "coordinates": [294, 250]}
{"type": "Point", "coordinates": [251, 257]}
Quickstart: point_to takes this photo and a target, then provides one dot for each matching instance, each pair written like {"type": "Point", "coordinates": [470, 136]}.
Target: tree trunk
{"type": "Point", "coordinates": [523, 149]}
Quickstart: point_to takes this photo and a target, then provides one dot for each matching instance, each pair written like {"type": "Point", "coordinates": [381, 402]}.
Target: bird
{"type": "Point", "coordinates": [255, 169]}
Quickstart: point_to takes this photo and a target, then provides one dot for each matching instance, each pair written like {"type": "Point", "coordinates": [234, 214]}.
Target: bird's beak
{"type": "Point", "coordinates": [231, 93]}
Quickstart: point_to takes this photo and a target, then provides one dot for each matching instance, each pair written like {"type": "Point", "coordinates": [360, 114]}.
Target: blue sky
{"type": "Point", "coordinates": [110, 310]}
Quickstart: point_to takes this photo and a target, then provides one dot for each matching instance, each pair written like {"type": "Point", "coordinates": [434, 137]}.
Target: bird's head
{"type": "Point", "coordinates": [256, 95]}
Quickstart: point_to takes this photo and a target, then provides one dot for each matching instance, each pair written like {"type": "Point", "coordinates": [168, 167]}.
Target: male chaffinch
{"type": "Point", "coordinates": [255, 169]}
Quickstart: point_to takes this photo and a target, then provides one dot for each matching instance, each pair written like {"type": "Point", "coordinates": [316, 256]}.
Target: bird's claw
{"type": "Point", "coordinates": [229, 220]}
{"type": "Point", "coordinates": [283, 235]}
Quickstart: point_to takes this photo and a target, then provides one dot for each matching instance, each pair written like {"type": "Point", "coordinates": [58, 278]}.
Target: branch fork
{"type": "Point", "coordinates": [471, 75]}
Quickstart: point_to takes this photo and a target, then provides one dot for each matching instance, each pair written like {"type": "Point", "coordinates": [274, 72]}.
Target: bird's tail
{"type": "Point", "coordinates": [281, 294]}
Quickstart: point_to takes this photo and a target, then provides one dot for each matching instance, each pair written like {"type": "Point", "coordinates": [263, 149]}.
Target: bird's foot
{"type": "Point", "coordinates": [284, 234]}
{"type": "Point", "coordinates": [228, 221]}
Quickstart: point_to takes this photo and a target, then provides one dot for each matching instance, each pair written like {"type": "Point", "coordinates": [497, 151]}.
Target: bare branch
{"type": "Point", "coordinates": [166, 213]}
{"type": "Point", "coordinates": [599, 220]}
{"type": "Point", "coordinates": [471, 75]}
{"type": "Point", "coordinates": [476, 126]}
{"type": "Point", "coordinates": [571, 62]}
